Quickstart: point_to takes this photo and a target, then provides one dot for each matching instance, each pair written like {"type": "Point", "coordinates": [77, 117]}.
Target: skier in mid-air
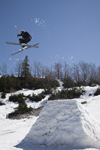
{"type": "Point", "coordinates": [26, 37]}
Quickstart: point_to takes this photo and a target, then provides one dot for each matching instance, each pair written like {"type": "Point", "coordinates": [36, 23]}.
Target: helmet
{"type": "Point", "coordinates": [22, 31]}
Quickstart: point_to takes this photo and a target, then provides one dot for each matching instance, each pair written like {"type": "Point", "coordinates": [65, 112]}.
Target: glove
{"type": "Point", "coordinates": [17, 35]}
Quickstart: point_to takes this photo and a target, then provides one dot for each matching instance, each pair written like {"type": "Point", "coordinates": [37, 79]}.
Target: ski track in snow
{"type": "Point", "coordinates": [12, 132]}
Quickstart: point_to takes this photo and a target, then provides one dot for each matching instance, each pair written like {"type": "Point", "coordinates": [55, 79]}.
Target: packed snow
{"type": "Point", "coordinates": [70, 126]}
{"type": "Point", "coordinates": [62, 124]}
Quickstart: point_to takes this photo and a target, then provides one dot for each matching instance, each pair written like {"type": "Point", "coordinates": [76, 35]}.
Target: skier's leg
{"type": "Point", "coordinates": [21, 41]}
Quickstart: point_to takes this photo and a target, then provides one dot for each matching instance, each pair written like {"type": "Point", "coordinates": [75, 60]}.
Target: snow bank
{"type": "Point", "coordinates": [63, 124]}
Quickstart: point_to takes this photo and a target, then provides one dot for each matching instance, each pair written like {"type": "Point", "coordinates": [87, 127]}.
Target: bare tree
{"type": "Point", "coordinates": [76, 73]}
{"type": "Point", "coordinates": [98, 75]}
{"type": "Point", "coordinates": [37, 69]}
{"type": "Point", "coordinates": [66, 70]}
{"type": "Point", "coordinates": [58, 70]}
{"type": "Point", "coordinates": [48, 73]}
{"type": "Point", "coordinates": [84, 71]}
{"type": "Point", "coordinates": [4, 69]}
{"type": "Point", "coordinates": [93, 73]}
{"type": "Point", "coordinates": [0, 70]}
{"type": "Point", "coordinates": [18, 68]}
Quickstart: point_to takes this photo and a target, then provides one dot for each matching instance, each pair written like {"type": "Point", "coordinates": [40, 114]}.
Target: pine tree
{"type": "Point", "coordinates": [25, 68]}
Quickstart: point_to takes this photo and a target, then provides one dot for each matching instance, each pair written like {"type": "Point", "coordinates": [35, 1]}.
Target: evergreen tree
{"type": "Point", "coordinates": [25, 68]}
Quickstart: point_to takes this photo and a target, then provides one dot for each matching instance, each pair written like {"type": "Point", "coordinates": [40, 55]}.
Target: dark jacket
{"type": "Point", "coordinates": [25, 35]}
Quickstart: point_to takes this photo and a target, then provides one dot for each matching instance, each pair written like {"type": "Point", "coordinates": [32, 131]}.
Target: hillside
{"type": "Point", "coordinates": [14, 133]}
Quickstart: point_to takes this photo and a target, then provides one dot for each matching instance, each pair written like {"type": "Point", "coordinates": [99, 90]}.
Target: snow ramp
{"type": "Point", "coordinates": [63, 125]}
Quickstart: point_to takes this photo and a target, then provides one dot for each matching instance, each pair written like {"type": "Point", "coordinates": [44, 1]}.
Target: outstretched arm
{"type": "Point", "coordinates": [19, 35]}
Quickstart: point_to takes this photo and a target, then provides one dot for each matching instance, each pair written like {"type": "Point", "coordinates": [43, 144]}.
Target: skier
{"type": "Point", "coordinates": [26, 37]}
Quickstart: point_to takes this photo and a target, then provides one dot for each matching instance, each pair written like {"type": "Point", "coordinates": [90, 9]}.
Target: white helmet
{"type": "Point", "coordinates": [22, 31]}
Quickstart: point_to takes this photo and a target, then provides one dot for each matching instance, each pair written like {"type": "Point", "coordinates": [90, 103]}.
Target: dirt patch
{"type": "Point", "coordinates": [34, 112]}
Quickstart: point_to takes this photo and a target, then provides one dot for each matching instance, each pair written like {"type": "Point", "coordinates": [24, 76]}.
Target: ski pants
{"type": "Point", "coordinates": [24, 40]}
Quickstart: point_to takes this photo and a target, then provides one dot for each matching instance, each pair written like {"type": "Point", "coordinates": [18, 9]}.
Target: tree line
{"type": "Point", "coordinates": [79, 74]}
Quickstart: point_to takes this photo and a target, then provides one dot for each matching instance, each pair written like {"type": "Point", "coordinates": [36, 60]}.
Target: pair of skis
{"type": "Point", "coordinates": [25, 46]}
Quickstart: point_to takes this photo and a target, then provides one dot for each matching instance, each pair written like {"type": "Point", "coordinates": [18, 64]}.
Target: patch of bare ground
{"type": "Point", "coordinates": [34, 112]}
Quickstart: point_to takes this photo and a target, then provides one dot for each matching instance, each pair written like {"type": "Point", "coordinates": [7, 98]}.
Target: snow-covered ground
{"type": "Point", "coordinates": [60, 123]}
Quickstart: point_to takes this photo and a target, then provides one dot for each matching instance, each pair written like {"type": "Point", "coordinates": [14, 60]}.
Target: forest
{"type": "Point", "coordinates": [76, 75]}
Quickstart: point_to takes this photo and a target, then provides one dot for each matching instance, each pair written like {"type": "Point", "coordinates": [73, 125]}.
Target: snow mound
{"type": "Point", "coordinates": [63, 124]}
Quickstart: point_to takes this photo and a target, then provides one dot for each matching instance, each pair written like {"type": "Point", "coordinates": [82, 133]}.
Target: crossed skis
{"type": "Point", "coordinates": [23, 48]}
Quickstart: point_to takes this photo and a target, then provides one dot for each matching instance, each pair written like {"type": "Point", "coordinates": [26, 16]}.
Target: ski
{"type": "Point", "coordinates": [35, 45]}
{"type": "Point", "coordinates": [20, 50]}
{"type": "Point", "coordinates": [24, 48]}
{"type": "Point", "coordinates": [13, 43]}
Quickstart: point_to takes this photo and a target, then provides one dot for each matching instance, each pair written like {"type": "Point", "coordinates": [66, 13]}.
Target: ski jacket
{"type": "Point", "coordinates": [25, 35]}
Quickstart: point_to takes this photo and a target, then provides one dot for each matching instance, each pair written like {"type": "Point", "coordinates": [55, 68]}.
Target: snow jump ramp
{"type": "Point", "coordinates": [63, 125]}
